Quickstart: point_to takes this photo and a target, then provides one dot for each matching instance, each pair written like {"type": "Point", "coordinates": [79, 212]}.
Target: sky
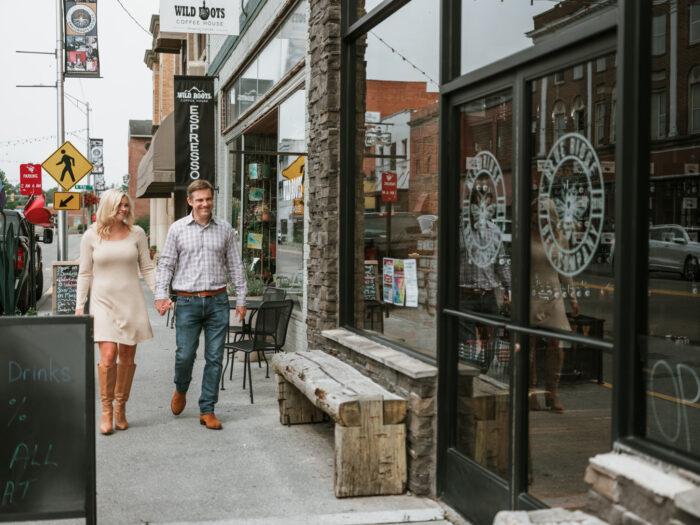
{"type": "Point", "coordinates": [124, 93]}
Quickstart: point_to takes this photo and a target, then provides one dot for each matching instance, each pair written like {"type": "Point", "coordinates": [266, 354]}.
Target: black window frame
{"type": "Point", "coordinates": [630, 29]}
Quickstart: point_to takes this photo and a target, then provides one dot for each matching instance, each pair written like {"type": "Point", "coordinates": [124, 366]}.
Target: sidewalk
{"type": "Point", "coordinates": [168, 469]}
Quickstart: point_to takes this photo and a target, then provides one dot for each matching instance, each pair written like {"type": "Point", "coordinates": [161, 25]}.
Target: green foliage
{"type": "Point", "coordinates": [31, 312]}
{"type": "Point", "coordinates": [144, 222]}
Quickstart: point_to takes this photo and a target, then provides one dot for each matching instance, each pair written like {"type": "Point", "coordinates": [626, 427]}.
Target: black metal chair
{"type": "Point", "coordinates": [268, 335]}
{"type": "Point", "coordinates": [239, 331]}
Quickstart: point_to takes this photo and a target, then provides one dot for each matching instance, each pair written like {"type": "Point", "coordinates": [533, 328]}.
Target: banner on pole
{"type": "Point", "coordinates": [82, 58]}
{"type": "Point", "coordinates": [96, 155]}
{"type": "Point", "coordinates": [194, 130]}
{"type": "Point", "coordinates": [210, 17]}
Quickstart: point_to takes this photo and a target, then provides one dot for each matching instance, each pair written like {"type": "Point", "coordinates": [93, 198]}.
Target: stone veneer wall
{"type": "Point", "coordinates": [323, 166]}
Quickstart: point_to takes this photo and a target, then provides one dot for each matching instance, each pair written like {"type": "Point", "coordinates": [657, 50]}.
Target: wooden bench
{"type": "Point", "coordinates": [370, 436]}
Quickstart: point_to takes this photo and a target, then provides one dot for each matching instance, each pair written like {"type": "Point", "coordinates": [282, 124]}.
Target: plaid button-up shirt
{"type": "Point", "coordinates": [196, 258]}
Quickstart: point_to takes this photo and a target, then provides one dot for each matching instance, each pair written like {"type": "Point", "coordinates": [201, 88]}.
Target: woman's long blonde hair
{"type": "Point", "coordinates": [107, 211]}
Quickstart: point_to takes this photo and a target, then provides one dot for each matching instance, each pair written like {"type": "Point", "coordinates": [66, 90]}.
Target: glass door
{"type": "Point", "coordinates": [528, 290]}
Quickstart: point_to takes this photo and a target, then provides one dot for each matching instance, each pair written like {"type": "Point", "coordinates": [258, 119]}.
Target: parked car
{"type": "Point", "coordinates": [672, 250]}
{"type": "Point", "coordinates": [24, 258]}
{"type": "Point", "coordinates": [405, 232]}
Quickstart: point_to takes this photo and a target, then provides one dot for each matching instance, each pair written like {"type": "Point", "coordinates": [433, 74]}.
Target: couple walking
{"type": "Point", "coordinates": [199, 258]}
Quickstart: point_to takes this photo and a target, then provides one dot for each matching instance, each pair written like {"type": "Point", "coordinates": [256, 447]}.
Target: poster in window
{"type": "Point", "coordinates": [255, 241]}
{"type": "Point", "coordinates": [399, 283]}
{"type": "Point", "coordinates": [82, 56]}
{"type": "Point", "coordinates": [256, 194]}
{"type": "Point", "coordinates": [388, 280]}
{"type": "Point", "coordinates": [411, 280]}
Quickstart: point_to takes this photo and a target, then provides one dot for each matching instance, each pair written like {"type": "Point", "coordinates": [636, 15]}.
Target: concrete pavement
{"type": "Point", "coordinates": [169, 469]}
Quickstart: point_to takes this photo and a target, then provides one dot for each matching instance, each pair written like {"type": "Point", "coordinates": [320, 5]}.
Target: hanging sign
{"type": "Point", "coordinates": [210, 17]}
{"type": "Point", "coordinates": [96, 154]}
{"type": "Point", "coordinates": [194, 130]}
{"type": "Point", "coordinates": [30, 179]}
{"type": "Point", "coordinates": [82, 58]}
{"type": "Point", "coordinates": [389, 187]}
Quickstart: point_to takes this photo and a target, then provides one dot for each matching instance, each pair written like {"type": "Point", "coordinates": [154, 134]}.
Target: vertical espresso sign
{"type": "Point", "coordinates": [194, 130]}
{"type": "Point", "coordinates": [47, 450]}
{"type": "Point", "coordinates": [82, 57]}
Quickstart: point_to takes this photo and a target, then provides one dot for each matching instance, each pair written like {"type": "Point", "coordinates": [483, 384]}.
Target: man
{"type": "Point", "coordinates": [478, 282]}
{"type": "Point", "coordinates": [199, 257]}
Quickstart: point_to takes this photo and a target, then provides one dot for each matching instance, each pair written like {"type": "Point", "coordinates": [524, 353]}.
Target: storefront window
{"type": "Point", "coordinates": [286, 49]}
{"type": "Point", "coordinates": [513, 20]}
{"type": "Point", "coordinates": [484, 280]}
{"type": "Point", "coordinates": [399, 170]}
{"type": "Point", "coordinates": [672, 356]}
{"type": "Point", "coordinates": [571, 289]}
{"type": "Point", "coordinates": [290, 195]}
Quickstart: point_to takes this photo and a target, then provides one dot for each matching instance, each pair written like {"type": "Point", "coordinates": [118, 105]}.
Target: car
{"type": "Point", "coordinates": [405, 231]}
{"type": "Point", "coordinates": [27, 289]}
{"type": "Point", "coordinates": [672, 250]}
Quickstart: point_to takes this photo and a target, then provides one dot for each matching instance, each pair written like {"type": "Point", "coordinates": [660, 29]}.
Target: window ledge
{"type": "Point", "coordinates": [389, 357]}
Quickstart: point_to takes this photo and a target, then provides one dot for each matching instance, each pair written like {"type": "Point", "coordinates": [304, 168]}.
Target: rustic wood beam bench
{"type": "Point", "coordinates": [370, 436]}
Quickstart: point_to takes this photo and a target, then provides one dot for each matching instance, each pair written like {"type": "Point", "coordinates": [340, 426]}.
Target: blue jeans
{"type": "Point", "coordinates": [192, 314]}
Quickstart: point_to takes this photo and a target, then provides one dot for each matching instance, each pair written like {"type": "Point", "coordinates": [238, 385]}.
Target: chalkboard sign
{"type": "Point", "coordinates": [65, 287]}
{"type": "Point", "coordinates": [371, 280]}
{"type": "Point", "coordinates": [47, 415]}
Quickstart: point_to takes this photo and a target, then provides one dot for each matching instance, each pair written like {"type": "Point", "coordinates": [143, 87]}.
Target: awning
{"type": "Point", "coordinates": [156, 175]}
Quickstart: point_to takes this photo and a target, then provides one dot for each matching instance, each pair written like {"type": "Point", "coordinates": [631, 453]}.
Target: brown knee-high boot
{"type": "Point", "coordinates": [555, 360]}
{"type": "Point", "coordinates": [107, 377]}
{"type": "Point", "coordinates": [125, 375]}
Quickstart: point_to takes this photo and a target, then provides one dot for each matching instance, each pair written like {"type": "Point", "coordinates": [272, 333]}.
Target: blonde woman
{"type": "Point", "coordinates": [111, 252]}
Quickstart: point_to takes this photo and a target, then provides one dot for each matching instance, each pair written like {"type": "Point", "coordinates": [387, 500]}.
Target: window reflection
{"type": "Point", "coordinates": [484, 280]}
{"type": "Point", "coordinates": [672, 367]}
{"type": "Point", "coordinates": [571, 281]}
{"type": "Point", "coordinates": [397, 218]}
{"type": "Point", "coordinates": [277, 58]}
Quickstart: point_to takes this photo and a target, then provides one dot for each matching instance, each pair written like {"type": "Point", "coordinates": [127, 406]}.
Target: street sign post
{"type": "Point", "coordinates": [30, 179]}
{"type": "Point", "coordinates": [389, 187]}
{"type": "Point", "coordinates": [67, 166]}
{"type": "Point", "coordinates": [63, 200]}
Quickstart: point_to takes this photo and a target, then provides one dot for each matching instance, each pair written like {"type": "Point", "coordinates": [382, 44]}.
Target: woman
{"type": "Point", "coordinates": [549, 288]}
{"type": "Point", "coordinates": [109, 253]}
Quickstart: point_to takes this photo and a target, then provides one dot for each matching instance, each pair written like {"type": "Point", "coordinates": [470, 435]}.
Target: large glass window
{"type": "Point", "coordinates": [484, 280]}
{"type": "Point", "coordinates": [694, 25]}
{"type": "Point", "coordinates": [672, 344]}
{"type": "Point", "coordinates": [571, 291]}
{"type": "Point", "coordinates": [397, 215]}
{"type": "Point", "coordinates": [513, 18]}
{"type": "Point", "coordinates": [290, 195]}
{"type": "Point", "coordinates": [658, 35]}
{"type": "Point", "coordinates": [277, 58]}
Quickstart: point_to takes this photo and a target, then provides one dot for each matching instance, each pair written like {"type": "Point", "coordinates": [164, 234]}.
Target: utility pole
{"type": "Point", "coordinates": [61, 248]}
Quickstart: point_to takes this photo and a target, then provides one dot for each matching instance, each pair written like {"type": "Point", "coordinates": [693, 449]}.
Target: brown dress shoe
{"type": "Point", "coordinates": [177, 404]}
{"type": "Point", "coordinates": [210, 421]}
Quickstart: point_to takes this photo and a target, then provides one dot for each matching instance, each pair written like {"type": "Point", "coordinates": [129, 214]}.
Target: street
{"type": "Point", "coordinates": [49, 255]}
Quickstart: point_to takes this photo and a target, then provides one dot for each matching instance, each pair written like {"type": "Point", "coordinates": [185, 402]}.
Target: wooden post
{"type": "Point", "coordinates": [370, 459]}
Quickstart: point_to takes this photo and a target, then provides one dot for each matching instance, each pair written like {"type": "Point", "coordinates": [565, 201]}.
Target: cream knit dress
{"type": "Point", "coordinates": [110, 270]}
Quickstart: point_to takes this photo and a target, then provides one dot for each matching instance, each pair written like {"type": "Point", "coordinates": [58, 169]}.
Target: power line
{"type": "Point", "coordinates": [132, 17]}
{"type": "Point", "coordinates": [33, 140]}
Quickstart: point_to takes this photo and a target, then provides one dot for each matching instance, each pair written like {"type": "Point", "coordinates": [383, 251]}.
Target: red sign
{"type": "Point", "coordinates": [30, 179]}
{"type": "Point", "coordinates": [389, 187]}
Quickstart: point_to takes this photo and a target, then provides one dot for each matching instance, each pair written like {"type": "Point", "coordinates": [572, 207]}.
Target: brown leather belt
{"type": "Point", "coordinates": [475, 291]}
{"type": "Point", "coordinates": [205, 293]}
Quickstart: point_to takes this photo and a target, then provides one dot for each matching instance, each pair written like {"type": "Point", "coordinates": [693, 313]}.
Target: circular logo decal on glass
{"type": "Point", "coordinates": [81, 19]}
{"type": "Point", "coordinates": [483, 209]}
{"type": "Point", "coordinates": [571, 204]}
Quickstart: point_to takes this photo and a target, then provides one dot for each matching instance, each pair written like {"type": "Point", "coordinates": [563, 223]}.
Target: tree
{"type": "Point", "coordinates": [9, 189]}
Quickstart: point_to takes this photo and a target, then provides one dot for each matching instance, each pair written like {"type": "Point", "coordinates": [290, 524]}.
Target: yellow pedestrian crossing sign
{"type": "Point", "coordinates": [67, 166]}
{"type": "Point", "coordinates": [63, 200]}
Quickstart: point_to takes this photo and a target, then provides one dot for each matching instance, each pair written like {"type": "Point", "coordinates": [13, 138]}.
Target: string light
{"type": "Point", "coordinates": [403, 57]}
{"type": "Point", "coordinates": [34, 140]}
